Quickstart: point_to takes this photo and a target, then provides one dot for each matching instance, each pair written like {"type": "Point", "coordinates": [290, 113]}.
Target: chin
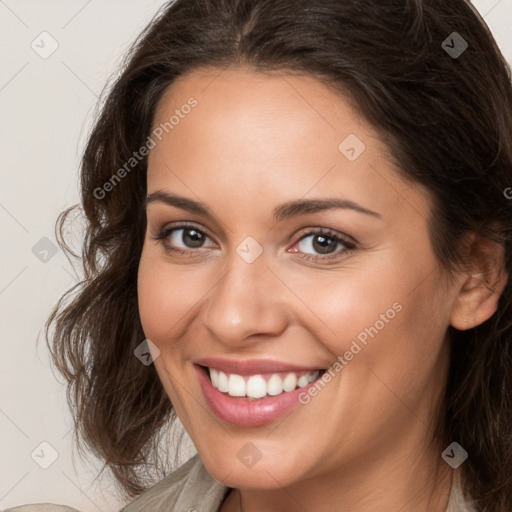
{"type": "Point", "coordinates": [275, 472]}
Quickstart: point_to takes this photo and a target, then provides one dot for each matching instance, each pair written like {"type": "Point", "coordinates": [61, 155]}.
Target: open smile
{"type": "Point", "coordinates": [252, 395]}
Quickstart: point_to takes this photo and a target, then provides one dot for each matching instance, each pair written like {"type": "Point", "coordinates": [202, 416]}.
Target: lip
{"type": "Point", "coordinates": [252, 367]}
{"type": "Point", "coordinates": [249, 413]}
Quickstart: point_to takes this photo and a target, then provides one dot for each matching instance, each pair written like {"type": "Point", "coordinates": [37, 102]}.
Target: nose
{"type": "Point", "coordinates": [246, 304]}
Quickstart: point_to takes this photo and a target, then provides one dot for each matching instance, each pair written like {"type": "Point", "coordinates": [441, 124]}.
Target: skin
{"type": "Point", "coordinates": [253, 142]}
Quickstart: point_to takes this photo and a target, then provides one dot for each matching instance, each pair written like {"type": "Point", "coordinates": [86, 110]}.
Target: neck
{"type": "Point", "coordinates": [402, 482]}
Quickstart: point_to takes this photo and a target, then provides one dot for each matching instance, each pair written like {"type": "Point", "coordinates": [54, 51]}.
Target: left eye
{"type": "Point", "coordinates": [321, 244]}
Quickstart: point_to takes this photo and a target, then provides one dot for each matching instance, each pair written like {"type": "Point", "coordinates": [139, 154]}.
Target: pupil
{"type": "Point", "coordinates": [324, 244]}
{"type": "Point", "coordinates": [192, 238]}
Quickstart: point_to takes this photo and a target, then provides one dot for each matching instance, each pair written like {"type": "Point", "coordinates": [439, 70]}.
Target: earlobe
{"type": "Point", "coordinates": [481, 286]}
{"type": "Point", "coordinates": [475, 304]}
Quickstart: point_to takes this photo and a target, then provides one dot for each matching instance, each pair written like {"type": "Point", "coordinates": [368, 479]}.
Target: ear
{"type": "Point", "coordinates": [481, 285]}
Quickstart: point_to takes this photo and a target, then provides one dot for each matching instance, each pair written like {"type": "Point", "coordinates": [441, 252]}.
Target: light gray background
{"type": "Point", "coordinates": [46, 111]}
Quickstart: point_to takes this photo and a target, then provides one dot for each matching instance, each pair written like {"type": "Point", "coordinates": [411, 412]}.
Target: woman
{"type": "Point", "coordinates": [299, 244]}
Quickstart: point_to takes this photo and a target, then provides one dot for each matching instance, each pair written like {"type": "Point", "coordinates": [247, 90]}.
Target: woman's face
{"type": "Point", "coordinates": [304, 251]}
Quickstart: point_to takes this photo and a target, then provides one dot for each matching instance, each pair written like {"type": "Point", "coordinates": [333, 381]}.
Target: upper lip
{"type": "Point", "coordinates": [251, 366]}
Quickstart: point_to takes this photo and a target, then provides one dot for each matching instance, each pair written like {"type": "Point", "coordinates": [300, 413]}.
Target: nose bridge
{"type": "Point", "coordinates": [245, 300]}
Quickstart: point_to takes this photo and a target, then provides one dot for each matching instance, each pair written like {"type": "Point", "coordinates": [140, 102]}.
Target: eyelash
{"type": "Point", "coordinates": [349, 246]}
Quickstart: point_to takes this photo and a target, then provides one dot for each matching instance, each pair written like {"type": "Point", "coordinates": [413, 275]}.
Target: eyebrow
{"type": "Point", "coordinates": [281, 212]}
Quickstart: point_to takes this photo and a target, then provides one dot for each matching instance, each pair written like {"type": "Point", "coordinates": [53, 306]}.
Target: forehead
{"type": "Point", "coordinates": [276, 136]}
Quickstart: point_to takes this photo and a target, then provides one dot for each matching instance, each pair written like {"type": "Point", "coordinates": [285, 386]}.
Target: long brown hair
{"type": "Point", "coordinates": [447, 119]}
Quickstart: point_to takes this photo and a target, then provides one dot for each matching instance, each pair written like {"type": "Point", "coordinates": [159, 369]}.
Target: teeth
{"type": "Point", "coordinates": [290, 382]}
{"type": "Point", "coordinates": [236, 385]}
{"type": "Point", "coordinates": [256, 386]}
{"type": "Point", "coordinates": [275, 385]}
{"type": "Point", "coordinates": [223, 382]}
{"type": "Point", "coordinates": [302, 381]}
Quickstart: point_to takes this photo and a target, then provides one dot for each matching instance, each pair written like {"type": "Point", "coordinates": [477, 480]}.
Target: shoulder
{"type": "Point", "coordinates": [190, 487]}
{"type": "Point", "coordinates": [41, 507]}
{"type": "Point", "coordinates": [458, 501]}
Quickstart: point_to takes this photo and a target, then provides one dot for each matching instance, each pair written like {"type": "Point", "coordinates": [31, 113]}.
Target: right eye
{"type": "Point", "coordinates": [189, 236]}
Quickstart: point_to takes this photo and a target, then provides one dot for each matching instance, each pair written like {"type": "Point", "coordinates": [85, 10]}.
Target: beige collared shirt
{"type": "Point", "coordinates": [192, 489]}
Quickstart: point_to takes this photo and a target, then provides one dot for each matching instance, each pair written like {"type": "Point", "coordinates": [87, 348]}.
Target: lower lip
{"type": "Point", "coordinates": [249, 413]}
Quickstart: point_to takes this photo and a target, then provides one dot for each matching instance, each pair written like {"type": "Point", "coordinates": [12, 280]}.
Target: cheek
{"type": "Point", "coordinates": [157, 289]}
{"type": "Point", "coordinates": [163, 300]}
{"type": "Point", "coordinates": [167, 296]}
{"type": "Point", "coordinates": [391, 315]}
{"type": "Point", "coordinates": [350, 305]}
